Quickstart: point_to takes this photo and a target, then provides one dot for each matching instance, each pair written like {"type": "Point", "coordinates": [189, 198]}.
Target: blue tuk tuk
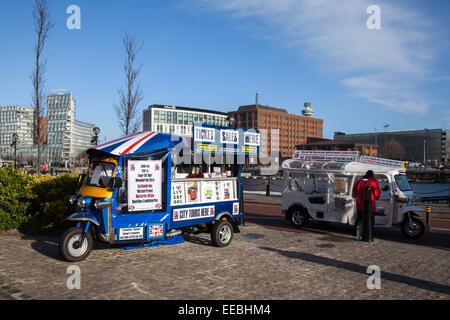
{"type": "Point", "coordinates": [150, 188]}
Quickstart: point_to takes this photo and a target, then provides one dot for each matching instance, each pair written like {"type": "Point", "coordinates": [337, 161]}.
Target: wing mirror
{"type": "Point", "coordinates": [385, 188]}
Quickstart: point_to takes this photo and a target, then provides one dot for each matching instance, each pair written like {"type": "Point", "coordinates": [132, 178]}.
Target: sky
{"type": "Point", "coordinates": [216, 54]}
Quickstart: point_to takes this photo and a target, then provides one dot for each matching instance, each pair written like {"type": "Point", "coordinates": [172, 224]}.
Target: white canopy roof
{"type": "Point", "coordinates": [344, 161]}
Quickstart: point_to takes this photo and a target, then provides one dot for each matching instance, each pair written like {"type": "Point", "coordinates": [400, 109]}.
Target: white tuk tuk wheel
{"type": "Point", "coordinates": [298, 217]}
{"type": "Point", "coordinates": [413, 229]}
{"type": "Point", "coordinates": [70, 248]}
{"type": "Point", "coordinates": [221, 233]}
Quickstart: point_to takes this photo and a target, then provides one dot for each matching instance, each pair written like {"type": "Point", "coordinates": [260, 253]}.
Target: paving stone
{"type": "Point", "coordinates": [274, 265]}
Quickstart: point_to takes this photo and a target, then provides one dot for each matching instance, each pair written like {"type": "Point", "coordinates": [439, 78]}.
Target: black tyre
{"type": "Point", "coordinates": [69, 247]}
{"type": "Point", "coordinates": [414, 228]}
{"type": "Point", "coordinates": [298, 217]}
{"type": "Point", "coordinates": [221, 233]}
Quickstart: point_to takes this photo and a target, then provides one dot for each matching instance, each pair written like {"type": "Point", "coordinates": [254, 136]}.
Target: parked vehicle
{"type": "Point", "coordinates": [318, 185]}
{"type": "Point", "coordinates": [415, 165]}
{"type": "Point", "coordinates": [135, 192]}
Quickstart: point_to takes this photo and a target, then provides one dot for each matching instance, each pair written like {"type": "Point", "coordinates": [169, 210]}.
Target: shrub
{"type": "Point", "coordinates": [33, 203]}
{"type": "Point", "coordinates": [15, 198]}
{"type": "Point", "coordinates": [50, 204]}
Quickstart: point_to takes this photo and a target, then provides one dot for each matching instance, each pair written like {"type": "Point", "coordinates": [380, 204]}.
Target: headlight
{"type": "Point", "coordinates": [73, 199]}
{"type": "Point", "coordinates": [81, 202]}
{"type": "Point", "coordinates": [100, 204]}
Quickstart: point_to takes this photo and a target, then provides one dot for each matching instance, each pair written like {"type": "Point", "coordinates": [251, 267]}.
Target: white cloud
{"type": "Point", "coordinates": [384, 66]}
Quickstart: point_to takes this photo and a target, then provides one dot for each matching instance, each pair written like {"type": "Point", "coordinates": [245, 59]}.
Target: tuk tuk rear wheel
{"type": "Point", "coordinates": [221, 233]}
{"type": "Point", "coordinates": [298, 217]}
{"type": "Point", "coordinates": [70, 249]}
{"type": "Point", "coordinates": [413, 229]}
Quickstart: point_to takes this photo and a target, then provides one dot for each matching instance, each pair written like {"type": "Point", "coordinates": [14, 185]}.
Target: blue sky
{"type": "Point", "coordinates": [215, 54]}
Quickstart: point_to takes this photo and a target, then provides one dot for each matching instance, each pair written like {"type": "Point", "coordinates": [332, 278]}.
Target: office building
{"type": "Point", "coordinates": [406, 145]}
{"type": "Point", "coordinates": [19, 120]}
{"type": "Point", "coordinates": [179, 120]}
{"type": "Point", "coordinates": [292, 129]}
{"type": "Point", "coordinates": [67, 138]}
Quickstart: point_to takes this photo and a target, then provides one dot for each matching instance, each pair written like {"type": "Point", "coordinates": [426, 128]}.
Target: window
{"type": "Point", "coordinates": [402, 182]}
{"type": "Point", "coordinates": [174, 120]}
{"type": "Point", "coordinates": [99, 174]}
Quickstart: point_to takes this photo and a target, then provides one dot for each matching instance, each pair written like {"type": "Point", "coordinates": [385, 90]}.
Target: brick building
{"type": "Point", "coordinates": [365, 149]}
{"type": "Point", "coordinates": [292, 129]}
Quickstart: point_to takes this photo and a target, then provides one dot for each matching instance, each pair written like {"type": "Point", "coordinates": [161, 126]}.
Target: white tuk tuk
{"type": "Point", "coordinates": [318, 185]}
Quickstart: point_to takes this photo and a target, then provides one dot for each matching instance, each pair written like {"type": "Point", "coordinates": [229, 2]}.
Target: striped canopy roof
{"type": "Point", "coordinates": [141, 142]}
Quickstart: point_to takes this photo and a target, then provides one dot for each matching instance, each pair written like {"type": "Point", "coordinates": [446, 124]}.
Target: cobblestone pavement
{"type": "Point", "coordinates": [260, 263]}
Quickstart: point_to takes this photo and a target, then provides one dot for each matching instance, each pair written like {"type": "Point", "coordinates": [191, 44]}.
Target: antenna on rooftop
{"type": "Point", "coordinates": [256, 98]}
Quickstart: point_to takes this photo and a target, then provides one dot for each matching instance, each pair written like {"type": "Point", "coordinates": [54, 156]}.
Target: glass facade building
{"type": "Point", "coordinates": [67, 138]}
{"type": "Point", "coordinates": [179, 120]}
{"type": "Point", "coordinates": [15, 119]}
{"type": "Point", "coordinates": [406, 145]}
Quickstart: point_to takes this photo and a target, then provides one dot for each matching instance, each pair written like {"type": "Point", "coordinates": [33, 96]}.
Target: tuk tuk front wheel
{"type": "Point", "coordinates": [221, 233]}
{"type": "Point", "coordinates": [71, 249]}
{"type": "Point", "coordinates": [298, 217]}
{"type": "Point", "coordinates": [412, 227]}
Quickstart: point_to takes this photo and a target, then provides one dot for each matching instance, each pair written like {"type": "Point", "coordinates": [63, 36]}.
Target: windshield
{"type": "Point", "coordinates": [402, 182]}
{"type": "Point", "coordinates": [99, 174]}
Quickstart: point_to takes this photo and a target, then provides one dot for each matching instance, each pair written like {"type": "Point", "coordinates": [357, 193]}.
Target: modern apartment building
{"type": "Point", "coordinates": [179, 120]}
{"type": "Point", "coordinates": [15, 119]}
{"type": "Point", "coordinates": [67, 138]}
{"type": "Point", "coordinates": [279, 129]}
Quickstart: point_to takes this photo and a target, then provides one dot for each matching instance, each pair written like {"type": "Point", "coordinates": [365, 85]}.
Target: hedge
{"type": "Point", "coordinates": [34, 203]}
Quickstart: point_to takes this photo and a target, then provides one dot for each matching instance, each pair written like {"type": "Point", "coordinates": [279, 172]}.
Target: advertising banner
{"type": "Point", "coordinates": [178, 193]}
{"type": "Point", "coordinates": [208, 138]}
{"type": "Point", "coordinates": [209, 191]}
{"type": "Point", "coordinates": [192, 213]}
{"type": "Point", "coordinates": [144, 185]}
{"type": "Point", "coordinates": [131, 233]}
{"type": "Point", "coordinates": [226, 190]}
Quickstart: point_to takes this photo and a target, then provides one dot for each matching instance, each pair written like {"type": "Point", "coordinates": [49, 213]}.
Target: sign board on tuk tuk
{"type": "Point", "coordinates": [144, 185]}
{"type": "Point", "coordinates": [209, 138]}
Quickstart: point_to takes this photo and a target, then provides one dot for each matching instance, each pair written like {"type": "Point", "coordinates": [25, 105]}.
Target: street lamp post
{"type": "Point", "coordinates": [385, 139]}
{"type": "Point", "coordinates": [96, 131]}
{"type": "Point", "coordinates": [15, 139]}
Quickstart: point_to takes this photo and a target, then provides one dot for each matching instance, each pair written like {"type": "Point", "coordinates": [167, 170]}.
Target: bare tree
{"type": "Point", "coordinates": [42, 26]}
{"type": "Point", "coordinates": [127, 110]}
